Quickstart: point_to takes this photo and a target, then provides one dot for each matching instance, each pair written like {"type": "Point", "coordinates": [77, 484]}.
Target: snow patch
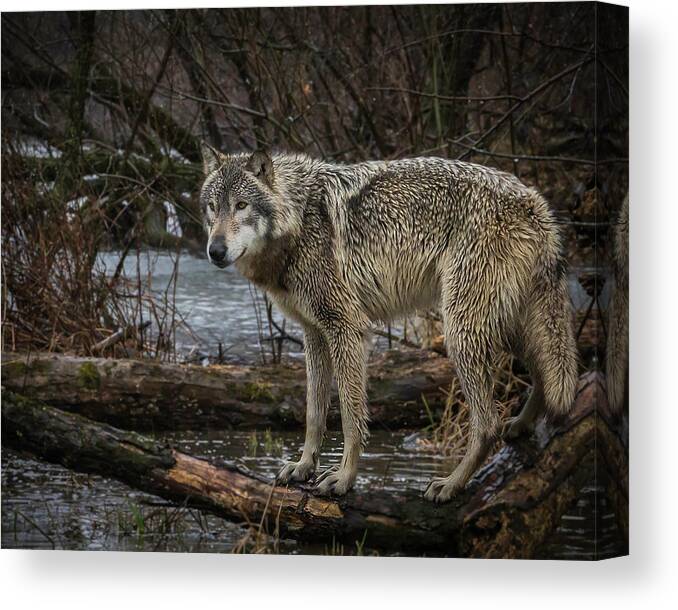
{"type": "Point", "coordinates": [74, 205]}
{"type": "Point", "coordinates": [32, 147]}
{"type": "Point", "coordinates": [173, 225]}
{"type": "Point", "coordinates": [45, 187]}
{"type": "Point", "coordinates": [174, 154]}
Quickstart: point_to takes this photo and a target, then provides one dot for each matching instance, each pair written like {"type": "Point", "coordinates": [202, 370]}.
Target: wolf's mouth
{"type": "Point", "coordinates": [239, 256]}
{"type": "Point", "coordinates": [223, 264]}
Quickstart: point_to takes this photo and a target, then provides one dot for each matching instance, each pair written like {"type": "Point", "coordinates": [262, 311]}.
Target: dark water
{"type": "Point", "coordinates": [219, 305]}
{"type": "Point", "coordinates": [46, 506]}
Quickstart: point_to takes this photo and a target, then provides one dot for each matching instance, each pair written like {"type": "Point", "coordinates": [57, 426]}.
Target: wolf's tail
{"type": "Point", "coordinates": [550, 334]}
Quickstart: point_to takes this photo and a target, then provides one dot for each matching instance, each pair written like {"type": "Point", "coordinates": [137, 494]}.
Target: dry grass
{"type": "Point", "coordinates": [257, 539]}
{"type": "Point", "coordinates": [449, 436]}
{"type": "Point", "coordinates": [56, 297]}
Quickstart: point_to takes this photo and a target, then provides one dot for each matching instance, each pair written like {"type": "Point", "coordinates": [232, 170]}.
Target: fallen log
{"type": "Point", "coordinates": [405, 390]}
{"type": "Point", "coordinates": [508, 510]}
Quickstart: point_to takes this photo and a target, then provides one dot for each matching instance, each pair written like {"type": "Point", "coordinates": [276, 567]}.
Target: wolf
{"type": "Point", "coordinates": [339, 247]}
{"type": "Point", "coordinates": [617, 352]}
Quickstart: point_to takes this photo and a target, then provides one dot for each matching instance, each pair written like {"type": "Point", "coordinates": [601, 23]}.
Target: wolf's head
{"type": "Point", "coordinates": [242, 204]}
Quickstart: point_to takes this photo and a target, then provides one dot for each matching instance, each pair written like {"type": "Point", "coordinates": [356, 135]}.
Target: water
{"type": "Point", "coordinates": [217, 304]}
{"type": "Point", "coordinates": [47, 506]}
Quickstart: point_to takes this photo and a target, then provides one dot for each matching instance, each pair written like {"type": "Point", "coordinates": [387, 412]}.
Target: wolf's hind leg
{"type": "Point", "coordinates": [535, 405]}
{"type": "Point", "coordinates": [523, 423]}
{"type": "Point", "coordinates": [348, 357]}
{"type": "Point", "coordinates": [319, 380]}
{"type": "Point", "coordinates": [476, 384]}
{"type": "Point", "coordinates": [474, 319]}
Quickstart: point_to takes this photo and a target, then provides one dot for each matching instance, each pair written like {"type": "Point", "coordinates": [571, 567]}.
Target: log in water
{"type": "Point", "coordinates": [508, 510]}
{"type": "Point", "coordinates": [405, 390]}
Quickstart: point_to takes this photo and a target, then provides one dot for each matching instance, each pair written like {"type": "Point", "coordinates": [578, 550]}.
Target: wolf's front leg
{"type": "Point", "coordinates": [318, 383]}
{"type": "Point", "coordinates": [348, 357]}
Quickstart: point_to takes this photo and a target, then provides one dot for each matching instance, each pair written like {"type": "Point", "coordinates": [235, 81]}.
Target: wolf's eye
{"type": "Point", "coordinates": [241, 205]}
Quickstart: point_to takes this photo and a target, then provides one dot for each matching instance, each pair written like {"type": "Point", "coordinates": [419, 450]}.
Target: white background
{"type": "Point", "coordinates": [646, 579]}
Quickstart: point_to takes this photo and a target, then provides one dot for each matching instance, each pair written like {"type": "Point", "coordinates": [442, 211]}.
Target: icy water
{"type": "Point", "coordinates": [47, 506]}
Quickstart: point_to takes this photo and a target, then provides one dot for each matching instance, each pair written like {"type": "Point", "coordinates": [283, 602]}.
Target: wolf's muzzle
{"type": "Point", "coordinates": [218, 252]}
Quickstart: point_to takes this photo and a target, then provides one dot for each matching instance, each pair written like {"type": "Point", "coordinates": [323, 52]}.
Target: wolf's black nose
{"type": "Point", "coordinates": [217, 250]}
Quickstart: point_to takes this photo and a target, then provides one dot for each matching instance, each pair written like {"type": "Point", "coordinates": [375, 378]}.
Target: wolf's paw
{"type": "Point", "coordinates": [442, 489]}
{"type": "Point", "coordinates": [334, 480]}
{"type": "Point", "coordinates": [295, 471]}
{"type": "Point", "coordinates": [517, 427]}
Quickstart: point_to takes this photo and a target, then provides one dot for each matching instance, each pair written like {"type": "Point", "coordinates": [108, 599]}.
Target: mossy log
{"type": "Point", "coordinates": [507, 510]}
{"type": "Point", "coordinates": [406, 389]}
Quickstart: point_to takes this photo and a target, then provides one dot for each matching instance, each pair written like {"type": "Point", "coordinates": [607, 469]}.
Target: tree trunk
{"type": "Point", "coordinates": [148, 395]}
{"type": "Point", "coordinates": [508, 510]}
{"type": "Point", "coordinates": [188, 55]}
{"type": "Point", "coordinates": [82, 35]}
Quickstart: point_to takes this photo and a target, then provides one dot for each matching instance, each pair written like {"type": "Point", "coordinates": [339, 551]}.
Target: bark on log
{"type": "Point", "coordinates": [147, 395]}
{"type": "Point", "coordinates": [508, 510]}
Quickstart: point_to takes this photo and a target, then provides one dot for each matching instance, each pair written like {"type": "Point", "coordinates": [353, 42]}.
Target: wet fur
{"type": "Point", "coordinates": [339, 247]}
{"type": "Point", "coordinates": [617, 356]}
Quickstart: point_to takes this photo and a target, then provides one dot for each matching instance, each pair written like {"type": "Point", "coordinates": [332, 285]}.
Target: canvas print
{"type": "Point", "coordinates": [345, 280]}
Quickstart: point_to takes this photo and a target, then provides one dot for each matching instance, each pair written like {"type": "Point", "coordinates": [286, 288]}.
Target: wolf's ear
{"type": "Point", "coordinates": [211, 158]}
{"type": "Point", "coordinates": [261, 166]}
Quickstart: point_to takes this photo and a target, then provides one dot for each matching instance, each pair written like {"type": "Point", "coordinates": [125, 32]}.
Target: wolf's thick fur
{"type": "Point", "coordinates": [339, 247]}
{"type": "Point", "coordinates": [617, 356]}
